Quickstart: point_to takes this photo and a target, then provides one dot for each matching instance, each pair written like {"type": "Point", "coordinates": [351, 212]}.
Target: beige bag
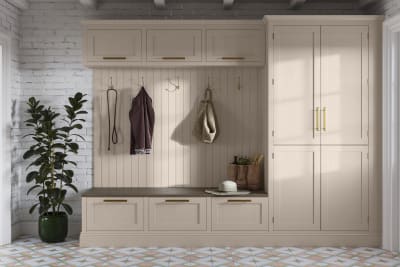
{"type": "Point", "coordinates": [205, 128]}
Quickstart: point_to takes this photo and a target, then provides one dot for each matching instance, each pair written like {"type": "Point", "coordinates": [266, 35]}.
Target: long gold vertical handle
{"type": "Point", "coordinates": [324, 118]}
{"type": "Point", "coordinates": [317, 119]}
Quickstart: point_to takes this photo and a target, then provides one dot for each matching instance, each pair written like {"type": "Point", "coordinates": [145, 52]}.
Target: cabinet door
{"type": "Point", "coordinates": [344, 79]}
{"type": "Point", "coordinates": [239, 213]}
{"type": "Point", "coordinates": [174, 45]}
{"type": "Point", "coordinates": [114, 214]}
{"type": "Point", "coordinates": [344, 184]}
{"type": "Point", "coordinates": [296, 188]}
{"type": "Point", "coordinates": [235, 45]}
{"type": "Point", "coordinates": [296, 87]}
{"type": "Point", "coordinates": [180, 214]}
{"type": "Point", "coordinates": [114, 45]}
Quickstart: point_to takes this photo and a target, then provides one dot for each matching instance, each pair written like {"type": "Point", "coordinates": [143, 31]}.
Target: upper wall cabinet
{"type": "Point", "coordinates": [114, 45]}
{"type": "Point", "coordinates": [174, 45]}
{"type": "Point", "coordinates": [235, 45]}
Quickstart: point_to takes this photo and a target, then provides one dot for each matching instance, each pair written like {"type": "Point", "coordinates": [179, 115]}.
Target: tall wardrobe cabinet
{"type": "Point", "coordinates": [322, 83]}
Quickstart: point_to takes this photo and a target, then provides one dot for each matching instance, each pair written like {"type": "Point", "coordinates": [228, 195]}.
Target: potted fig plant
{"type": "Point", "coordinates": [51, 168]}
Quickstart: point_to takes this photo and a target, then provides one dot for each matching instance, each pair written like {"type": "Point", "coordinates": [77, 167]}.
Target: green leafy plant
{"type": "Point", "coordinates": [50, 154]}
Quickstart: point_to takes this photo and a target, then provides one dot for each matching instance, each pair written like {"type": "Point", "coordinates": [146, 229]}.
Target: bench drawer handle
{"type": "Point", "coordinates": [173, 58]}
{"type": "Point", "coordinates": [233, 58]}
{"type": "Point", "coordinates": [176, 200]}
{"type": "Point", "coordinates": [239, 200]}
{"type": "Point", "coordinates": [115, 200]}
{"type": "Point", "coordinates": [114, 58]}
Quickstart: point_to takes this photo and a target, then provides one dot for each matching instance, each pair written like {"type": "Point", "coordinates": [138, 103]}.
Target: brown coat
{"type": "Point", "coordinates": [141, 117]}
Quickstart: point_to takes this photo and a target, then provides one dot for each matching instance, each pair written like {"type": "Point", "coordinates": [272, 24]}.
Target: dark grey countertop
{"type": "Point", "coordinates": [158, 192]}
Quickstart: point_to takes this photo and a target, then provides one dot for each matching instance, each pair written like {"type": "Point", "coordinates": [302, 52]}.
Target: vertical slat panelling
{"type": "Point", "coordinates": [98, 144]}
{"type": "Point", "coordinates": [126, 99]}
{"type": "Point", "coordinates": [177, 158]}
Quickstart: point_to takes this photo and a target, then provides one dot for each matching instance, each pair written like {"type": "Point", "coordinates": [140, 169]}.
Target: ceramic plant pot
{"type": "Point", "coordinates": [53, 227]}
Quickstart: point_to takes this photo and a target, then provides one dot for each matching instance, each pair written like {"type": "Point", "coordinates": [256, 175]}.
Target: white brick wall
{"type": "Point", "coordinates": [9, 25]}
{"type": "Point", "coordinates": [51, 69]}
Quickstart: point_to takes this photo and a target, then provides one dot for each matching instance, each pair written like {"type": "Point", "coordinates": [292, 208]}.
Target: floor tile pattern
{"type": "Point", "coordinates": [28, 252]}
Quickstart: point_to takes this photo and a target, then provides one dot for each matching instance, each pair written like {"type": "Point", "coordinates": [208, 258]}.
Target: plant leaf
{"type": "Point", "coordinates": [33, 187]}
{"type": "Point", "coordinates": [67, 208]}
{"type": "Point", "coordinates": [73, 187]}
{"type": "Point", "coordinates": [31, 176]}
{"type": "Point", "coordinates": [33, 208]}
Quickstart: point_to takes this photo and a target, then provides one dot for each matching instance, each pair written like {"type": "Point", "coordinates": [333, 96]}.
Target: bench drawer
{"type": "Point", "coordinates": [247, 214]}
{"type": "Point", "coordinates": [114, 214]}
{"type": "Point", "coordinates": [178, 214]}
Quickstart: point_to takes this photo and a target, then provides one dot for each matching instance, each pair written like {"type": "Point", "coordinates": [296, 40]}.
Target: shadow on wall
{"type": "Point", "coordinates": [189, 122]}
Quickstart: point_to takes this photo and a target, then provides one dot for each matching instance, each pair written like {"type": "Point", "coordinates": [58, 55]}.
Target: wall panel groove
{"type": "Point", "coordinates": [177, 158]}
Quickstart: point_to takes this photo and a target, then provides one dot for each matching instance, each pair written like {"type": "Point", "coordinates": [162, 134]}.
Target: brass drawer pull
{"type": "Point", "coordinates": [324, 121]}
{"type": "Point", "coordinates": [317, 118]}
{"type": "Point", "coordinates": [114, 58]}
{"type": "Point", "coordinates": [115, 200]}
{"type": "Point", "coordinates": [239, 200]}
{"type": "Point", "coordinates": [176, 200]}
{"type": "Point", "coordinates": [173, 58]}
{"type": "Point", "coordinates": [233, 58]}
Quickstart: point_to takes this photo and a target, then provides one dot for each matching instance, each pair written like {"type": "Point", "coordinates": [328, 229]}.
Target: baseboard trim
{"type": "Point", "coordinates": [30, 228]}
{"type": "Point", "coordinates": [207, 239]}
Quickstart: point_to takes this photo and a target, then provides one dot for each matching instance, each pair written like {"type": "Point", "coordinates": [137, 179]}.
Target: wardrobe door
{"type": "Point", "coordinates": [296, 86]}
{"type": "Point", "coordinates": [296, 188]}
{"type": "Point", "coordinates": [344, 188]}
{"type": "Point", "coordinates": [344, 85]}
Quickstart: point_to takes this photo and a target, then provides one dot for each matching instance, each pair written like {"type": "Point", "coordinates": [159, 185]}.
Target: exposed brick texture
{"type": "Point", "coordinates": [9, 26]}
{"type": "Point", "coordinates": [49, 40]}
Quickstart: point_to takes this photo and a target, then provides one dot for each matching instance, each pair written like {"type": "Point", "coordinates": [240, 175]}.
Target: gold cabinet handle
{"type": "Point", "coordinates": [238, 200]}
{"type": "Point", "coordinates": [114, 58]}
{"type": "Point", "coordinates": [173, 58]}
{"type": "Point", "coordinates": [317, 119]}
{"type": "Point", "coordinates": [233, 58]}
{"type": "Point", "coordinates": [324, 118]}
{"type": "Point", "coordinates": [176, 200]}
{"type": "Point", "coordinates": [115, 200]}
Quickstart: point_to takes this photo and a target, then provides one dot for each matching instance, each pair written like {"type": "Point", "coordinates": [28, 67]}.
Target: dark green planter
{"type": "Point", "coordinates": [53, 227]}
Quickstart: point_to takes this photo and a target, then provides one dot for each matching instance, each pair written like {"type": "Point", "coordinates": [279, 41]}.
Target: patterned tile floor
{"type": "Point", "coordinates": [32, 252]}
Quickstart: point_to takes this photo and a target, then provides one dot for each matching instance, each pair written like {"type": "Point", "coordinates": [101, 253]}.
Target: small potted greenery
{"type": "Point", "coordinates": [53, 144]}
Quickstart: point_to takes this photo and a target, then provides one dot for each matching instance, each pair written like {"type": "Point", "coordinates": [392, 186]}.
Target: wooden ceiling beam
{"type": "Point", "coordinates": [228, 4]}
{"type": "Point", "coordinates": [160, 4]}
{"type": "Point", "coordinates": [89, 3]}
{"type": "Point", "coordinates": [295, 4]}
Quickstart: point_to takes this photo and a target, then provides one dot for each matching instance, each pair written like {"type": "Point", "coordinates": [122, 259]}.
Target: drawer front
{"type": "Point", "coordinates": [179, 214]}
{"type": "Point", "coordinates": [235, 45]}
{"type": "Point", "coordinates": [114, 45]}
{"type": "Point", "coordinates": [114, 214]}
{"type": "Point", "coordinates": [174, 45]}
{"type": "Point", "coordinates": [247, 214]}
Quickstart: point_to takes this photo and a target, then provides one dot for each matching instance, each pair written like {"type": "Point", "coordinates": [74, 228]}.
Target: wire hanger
{"type": "Point", "coordinates": [208, 91]}
{"type": "Point", "coordinates": [141, 85]}
{"type": "Point", "coordinates": [112, 133]}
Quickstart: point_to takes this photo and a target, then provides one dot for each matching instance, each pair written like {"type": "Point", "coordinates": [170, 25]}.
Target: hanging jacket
{"type": "Point", "coordinates": [141, 117]}
{"type": "Point", "coordinates": [205, 128]}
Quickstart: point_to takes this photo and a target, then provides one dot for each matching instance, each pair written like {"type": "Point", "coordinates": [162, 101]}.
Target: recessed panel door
{"type": "Point", "coordinates": [296, 85]}
{"type": "Point", "coordinates": [344, 188]}
{"type": "Point", "coordinates": [296, 188]}
{"type": "Point", "coordinates": [344, 85]}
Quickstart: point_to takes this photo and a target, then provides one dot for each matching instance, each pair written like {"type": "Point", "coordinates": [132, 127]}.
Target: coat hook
{"type": "Point", "coordinates": [142, 82]}
{"type": "Point", "coordinates": [177, 86]}
{"type": "Point", "coordinates": [239, 85]}
{"type": "Point", "coordinates": [111, 84]}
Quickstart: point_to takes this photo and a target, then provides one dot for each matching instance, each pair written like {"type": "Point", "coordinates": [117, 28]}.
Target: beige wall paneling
{"type": "Point", "coordinates": [344, 85]}
{"type": "Point", "coordinates": [296, 185]}
{"type": "Point", "coordinates": [344, 188]}
{"type": "Point", "coordinates": [296, 85]}
{"type": "Point", "coordinates": [177, 158]}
